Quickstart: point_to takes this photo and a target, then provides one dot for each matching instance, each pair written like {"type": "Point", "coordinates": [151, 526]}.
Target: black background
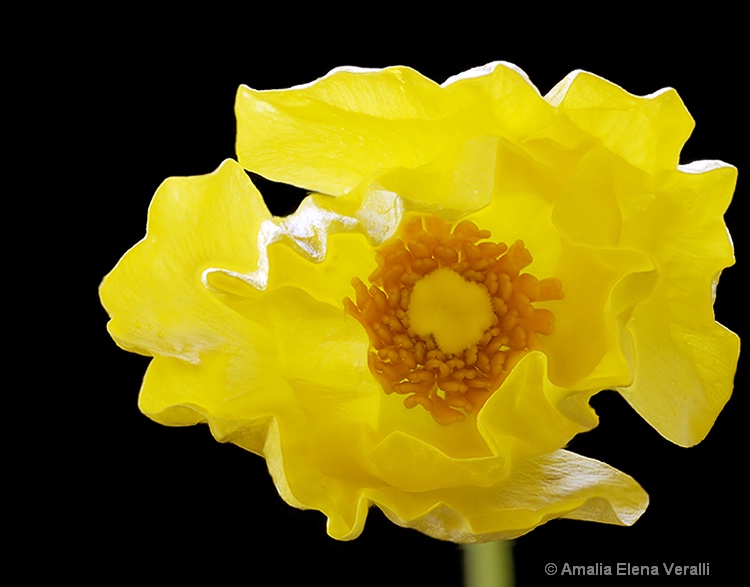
{"type": "Point", "coordinates": [154, 502]}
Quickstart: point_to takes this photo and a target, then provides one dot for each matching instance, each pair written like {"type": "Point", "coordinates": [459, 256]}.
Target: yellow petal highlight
{"type": "Point", "coordinates": [194, 224]}
{"type": "Point", "coordinates": [275, 333]}
{"type": "Point", "coordinates": [330, 135]}
{"type": "Point", "coordinates": [684, 361]}
{"type": "Point", "coordinates": [561, 484]}
{"type": "Point", "coordinates": [647, 132]}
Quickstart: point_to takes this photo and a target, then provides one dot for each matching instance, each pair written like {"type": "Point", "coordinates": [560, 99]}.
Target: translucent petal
{"type": "Point", "coordinates": [684, 361]}
{"type": "Point", "coordinates": [584, 350]}
{"type": "Point", "coordinates": [155, 295]}
{"type": "Point", "coordinates": [525, 419]}
{"type": "Point", "coordinates": [561, 484]}
{"type": "Point", "coordinates": [332, 134]}
{"type": "Point", "coordinates": [647, 132]}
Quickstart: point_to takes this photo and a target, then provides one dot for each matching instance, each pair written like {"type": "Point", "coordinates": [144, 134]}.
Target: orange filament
{"type": "Point", "coordinates": [450, 385]}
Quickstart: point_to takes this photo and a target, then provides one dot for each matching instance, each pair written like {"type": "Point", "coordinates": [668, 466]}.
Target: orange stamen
{"type": "Point", "coordinates": [450, 385]}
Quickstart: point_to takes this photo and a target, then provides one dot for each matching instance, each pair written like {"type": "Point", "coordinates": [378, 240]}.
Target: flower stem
{"type": "Point", "coordinates": [488, 565]}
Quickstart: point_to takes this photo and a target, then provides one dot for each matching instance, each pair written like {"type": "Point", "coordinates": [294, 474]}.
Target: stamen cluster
{"type": "Point", "coordinates": [450, 385]}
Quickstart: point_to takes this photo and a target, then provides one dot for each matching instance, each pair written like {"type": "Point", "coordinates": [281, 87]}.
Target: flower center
{"type": "Point", "coordinates": [456, 312]}
{"type": "Point", "coordinates": [449, 316]}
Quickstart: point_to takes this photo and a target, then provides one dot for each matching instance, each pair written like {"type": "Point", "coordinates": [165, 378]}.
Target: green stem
{"type": "Point", "coordinates": [488, 565]}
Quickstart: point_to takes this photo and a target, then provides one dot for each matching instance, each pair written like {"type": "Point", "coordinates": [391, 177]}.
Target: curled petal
{"type": "Point", "coordinates": [332, 134]}
{"type": "Point", "coordinates": [684, 361]}
{"type": "Point", "coordinates": [194, 223]}
{"type": "Point", "coordinates": [558, 485]}
{"type": "Point", "coordinates": [646, 131]}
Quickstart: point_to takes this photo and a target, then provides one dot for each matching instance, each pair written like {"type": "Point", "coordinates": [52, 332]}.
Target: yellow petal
{"type": "Point", "coordinates": [531, 416]}
{"type": "Point", "coordinates": [561, 484]}
{"type": "Point", "coordinates": [647, 132]}
{"type": "Point", "coordinates": [584, 350]}
{"type": "Point", "coordinates": [155, 295]}
{"type": "Point", "coordinates": [331, 135]}
{"type": "Point", "coordinates": [684, 361]}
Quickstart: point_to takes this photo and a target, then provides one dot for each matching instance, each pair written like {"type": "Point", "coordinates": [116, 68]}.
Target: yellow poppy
{"type": "Point", "coordinates": [424, 333]}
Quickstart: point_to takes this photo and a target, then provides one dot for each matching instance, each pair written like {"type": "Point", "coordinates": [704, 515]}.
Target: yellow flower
{"type": "Point", "coordinates": [474, 262]}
